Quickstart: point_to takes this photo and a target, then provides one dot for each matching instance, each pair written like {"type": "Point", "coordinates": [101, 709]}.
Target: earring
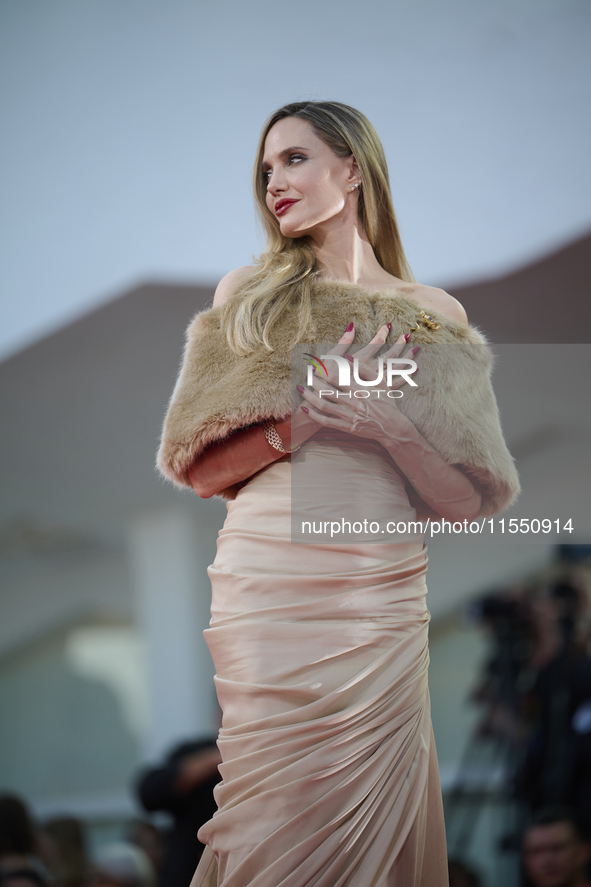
{"type": "Point", "coordinates": [356, 185]}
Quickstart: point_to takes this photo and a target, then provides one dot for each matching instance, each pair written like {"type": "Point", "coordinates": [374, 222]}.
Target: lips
{"type": "Point", "coordinates": [283, 205]}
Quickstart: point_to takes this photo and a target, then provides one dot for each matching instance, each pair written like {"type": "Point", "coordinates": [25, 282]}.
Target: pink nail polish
{"type": "Point", "coordinates": [349, 328]}
{"type": "Point", "coordinates": [349, 358]}
{"type": "Point", "coordinates": [305, 409]}
{"type": "Point", "coordinates": [415, 349]}
{"type": "Point", "coordinates": [389, 325]}
{"type": "Point", "coordinates": [300, 388]}
{"type": "Point", "coordinates": [406, 337]}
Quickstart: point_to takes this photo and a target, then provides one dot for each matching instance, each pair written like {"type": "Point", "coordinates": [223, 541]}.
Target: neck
{"type": "Point", "coordinates": [343, 252]}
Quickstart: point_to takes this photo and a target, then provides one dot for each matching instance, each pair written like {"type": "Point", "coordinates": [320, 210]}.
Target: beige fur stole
{"type": "Point", "coordinates": [454, 405]}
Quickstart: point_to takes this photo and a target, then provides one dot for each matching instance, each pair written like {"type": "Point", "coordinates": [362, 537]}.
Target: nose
{"type": "Point", "coordinates": [276, 182]}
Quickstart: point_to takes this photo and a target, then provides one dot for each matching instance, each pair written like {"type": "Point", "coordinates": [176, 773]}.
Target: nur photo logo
{"type": "Point", "coordinates": [388, 369]}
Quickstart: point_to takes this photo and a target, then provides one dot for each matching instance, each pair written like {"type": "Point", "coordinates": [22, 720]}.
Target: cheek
{"type": "Point", "coordinates": [329, 188]}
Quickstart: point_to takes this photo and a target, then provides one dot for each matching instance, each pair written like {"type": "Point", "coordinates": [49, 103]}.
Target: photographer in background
{"type": "Point", "coordinates": [183, 786]}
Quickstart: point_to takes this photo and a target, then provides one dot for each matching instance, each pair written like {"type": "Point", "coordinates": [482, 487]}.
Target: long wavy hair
{"type": "Point", "coordinates": [284, 272]}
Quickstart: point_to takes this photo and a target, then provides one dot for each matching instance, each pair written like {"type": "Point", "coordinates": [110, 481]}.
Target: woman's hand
{"type": "Point", "coordinates": [370, 413]}
{"type": "Point", "coordinates": [443, 487]}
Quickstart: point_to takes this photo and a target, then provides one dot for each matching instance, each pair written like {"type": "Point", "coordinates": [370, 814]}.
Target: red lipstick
{"type": "Point", "coordinates": [282, 206]}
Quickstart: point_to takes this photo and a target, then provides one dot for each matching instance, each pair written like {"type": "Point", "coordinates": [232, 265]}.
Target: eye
{"type": "Point", "coordinates": [290, 161]}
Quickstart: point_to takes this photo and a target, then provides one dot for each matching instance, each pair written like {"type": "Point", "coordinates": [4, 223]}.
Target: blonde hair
{"type": "Point", "coordinates": [286, 269]}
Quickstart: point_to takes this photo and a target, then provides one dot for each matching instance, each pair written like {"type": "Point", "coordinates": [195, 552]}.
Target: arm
{"type": "Point", "coordinates": [238, 457]}
{"type": "Point", "coordinates": [444, 488]}
{"type": "Point", "coordinates": [243, 454]}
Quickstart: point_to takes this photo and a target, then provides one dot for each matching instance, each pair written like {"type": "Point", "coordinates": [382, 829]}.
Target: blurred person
{"type": "Point", "coordinates": [122, 865]}
{"type": "Point", "coordinates": [554, 852]}
{"type": "Point", "coordinates": [504, 617]}
{"type": "Point", "coordinates": [149, 838]}
{"type": "Point", "coordinates": [63, 850]}
{"type": "Point", "coordinates": [460, 875]}
{"type": "Point", "coordinates": [183, 786]}
{"type": "Point", "coordinates": [22, 878]}
{"type": "Point", "coordinates": [557, 763]}
{"type": "Point", "coordinates": [20, 865]}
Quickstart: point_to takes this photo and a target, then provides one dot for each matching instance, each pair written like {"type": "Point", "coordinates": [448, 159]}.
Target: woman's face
{"type": "Point", "coordinates": [307, 184]}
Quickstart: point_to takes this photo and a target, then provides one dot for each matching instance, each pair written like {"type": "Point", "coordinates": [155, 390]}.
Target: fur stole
{"type": "Point", "coordinates": [454, 407]}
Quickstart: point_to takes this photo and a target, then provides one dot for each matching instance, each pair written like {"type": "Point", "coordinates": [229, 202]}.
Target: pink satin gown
{"type": "Point", "coordinates": [330, 775]}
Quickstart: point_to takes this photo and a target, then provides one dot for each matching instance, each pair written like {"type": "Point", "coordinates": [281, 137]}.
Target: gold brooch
{"type": "Point", "coordinates": [428, 320]}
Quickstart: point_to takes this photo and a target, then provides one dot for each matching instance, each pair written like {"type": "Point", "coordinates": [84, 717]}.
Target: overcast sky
{"type": "Point", "coordinates": [129, 130]}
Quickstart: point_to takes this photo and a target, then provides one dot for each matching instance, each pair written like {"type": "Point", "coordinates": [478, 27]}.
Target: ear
{"type": "Point", "coordinates": [354, 174]}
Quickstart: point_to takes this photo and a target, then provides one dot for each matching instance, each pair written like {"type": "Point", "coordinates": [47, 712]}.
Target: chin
{"type": "Point", "coordinates": [294, 230]}
{"type": "Point", "coordinates": [291, 231]}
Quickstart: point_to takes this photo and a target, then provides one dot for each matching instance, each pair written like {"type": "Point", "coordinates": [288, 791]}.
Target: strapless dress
{"type": "Point", "coordinates": [329, 773]}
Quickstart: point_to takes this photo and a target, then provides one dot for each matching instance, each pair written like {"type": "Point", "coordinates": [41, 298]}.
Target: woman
{"type": "Point", "coordinates": [329, 769]}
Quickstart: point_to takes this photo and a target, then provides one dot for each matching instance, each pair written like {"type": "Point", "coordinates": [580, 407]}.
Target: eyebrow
{"type": "Point", "coordinates": [285, 152]}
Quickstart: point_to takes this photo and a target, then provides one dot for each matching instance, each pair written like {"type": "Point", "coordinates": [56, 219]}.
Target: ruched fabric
{"type": "Point", "coordinates": [329, 770]}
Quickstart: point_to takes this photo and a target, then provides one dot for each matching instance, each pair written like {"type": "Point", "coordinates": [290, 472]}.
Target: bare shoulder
{"type": "Point", "coordinates": [439, 301]}
{"type": "Point", "coordinates": [230, 283]}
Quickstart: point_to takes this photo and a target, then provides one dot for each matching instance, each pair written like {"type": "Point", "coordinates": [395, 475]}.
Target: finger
{"type": "Point", "coordinates": [323, 418]}
{"type": "Point", "coordinates": [368, 366]}
{"type": "Point", "coordinates": [339, 349]}
{"type": "Point", "coordinates": [370, 370]}
{"type": "Point", "coordinates": [327, 402]}
{"type": "Point", "coordinates": [368, 351]}
{"type": "Point", "coordinates": [329, 392]}
{"type": "Point", "coordinates": [345, 341]}
{"type": "Point", "coordinates": [329, 379]}
{"type": "Point", "coordinates": [398, 347]}
{"type": "Point", "coordinates": [409, 354]}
